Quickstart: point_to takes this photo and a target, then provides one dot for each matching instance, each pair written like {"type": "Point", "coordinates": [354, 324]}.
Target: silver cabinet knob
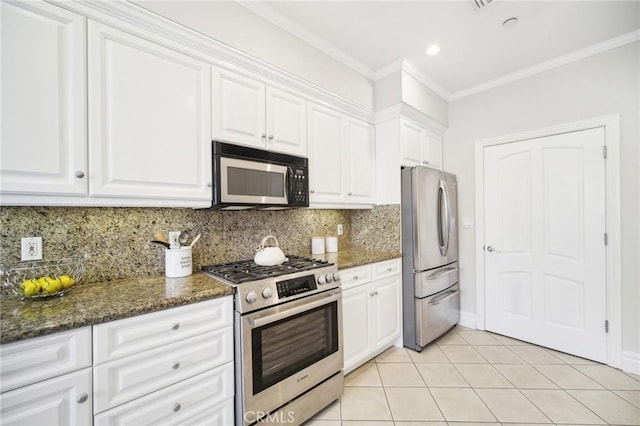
{"type": "Point", "coordinates": [83, 398]}
{"type": "Point", "coordinates": [209, 185]}
{"type": "Point", "coordinates": [79, 174]}
{"type": "Point", "coordinates": [264, 136]}
{"type": "Point", "coordinates": [176, 407]}
{"type": "Point", "coordinates": [349, 194]}
{"type": "Point", "coordinates": [176, 365]}
{"type": "Point", "coordinates": [270, 137]}
{"type": "Point", "coordinates": [355, 277]}
{"type": "Point", "coordinates": [175, 326]}
{"type": "Point", "coordinates": [311, 191]}
{"type": "Point", "coordinates": [424, 162]}
{"type": "Point", "coordinates": [389, 269]}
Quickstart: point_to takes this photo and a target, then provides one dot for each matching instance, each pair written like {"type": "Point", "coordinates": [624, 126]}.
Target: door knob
{"type": "Point", "coordinates": [492, 250]}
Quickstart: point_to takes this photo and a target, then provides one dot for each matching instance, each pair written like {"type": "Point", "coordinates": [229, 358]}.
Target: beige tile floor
{"type": "Point", "coordinates": [472, 377]}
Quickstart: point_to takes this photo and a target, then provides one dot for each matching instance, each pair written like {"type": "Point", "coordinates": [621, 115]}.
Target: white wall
{"type": "Point", "coordinates": [236, 26]}
{"type": "Point", "coordinates": [420, 97]}
{"type": "Point", "coordinates": [600, 85]}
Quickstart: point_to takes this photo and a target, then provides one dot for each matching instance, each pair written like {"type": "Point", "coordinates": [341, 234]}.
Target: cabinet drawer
{"type": "Point", "coordinates": [386, 269]}
{"type": "Point", "coordinates": [129, 336]}
{"type": "Point", "coordinates": [355, 276]}
{"type": "Point", "coordinates": [64, 400]}
{"type": "Point", "coordinates": [128, 378]}
{"type": "Point", "coordinates": [33, 360]}
{"type": "Point", "coordinates": [184, 402]}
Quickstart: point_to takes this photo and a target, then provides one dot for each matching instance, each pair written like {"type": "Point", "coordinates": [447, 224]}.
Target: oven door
{"type": "Point", "coordinates": [252, 182]}
{"type": "Point", "coordinates": [287, 350]}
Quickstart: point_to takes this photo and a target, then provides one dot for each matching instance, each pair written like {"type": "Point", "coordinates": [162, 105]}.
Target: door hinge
{"type": "Point", "coordinates": [606, 326]}
{"type": "Point", "coordinates": [606, 239]}
{"type": "Point", "coordinates": [604, 151]}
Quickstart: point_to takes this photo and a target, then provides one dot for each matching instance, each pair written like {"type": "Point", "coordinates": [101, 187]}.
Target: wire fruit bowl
{"type": "Point", "coordinates": [38, 279]}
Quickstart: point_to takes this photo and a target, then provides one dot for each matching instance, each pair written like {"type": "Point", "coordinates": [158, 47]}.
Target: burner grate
{"type": "Point", "coordinates": [248, 270]}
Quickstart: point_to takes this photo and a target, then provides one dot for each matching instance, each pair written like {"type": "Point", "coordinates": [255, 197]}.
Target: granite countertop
{"type": "Point", "coordinates": [353, 257]}
{"type": "Point", "coordinates": [95, 303]}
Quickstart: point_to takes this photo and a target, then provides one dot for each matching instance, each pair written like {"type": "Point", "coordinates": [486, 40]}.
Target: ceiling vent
{"type": "Point", "coordinates": [481, 4]}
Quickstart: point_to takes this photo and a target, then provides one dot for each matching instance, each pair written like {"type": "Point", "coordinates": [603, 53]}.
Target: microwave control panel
{"type": "Point", "coordinates": [299, 184]}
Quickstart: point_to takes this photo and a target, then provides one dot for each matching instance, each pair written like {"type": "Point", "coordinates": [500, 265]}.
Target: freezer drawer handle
{"type": "Point", "coordinates": [441, 273]}
{"type": "Point", "coordinates": [442, 297]}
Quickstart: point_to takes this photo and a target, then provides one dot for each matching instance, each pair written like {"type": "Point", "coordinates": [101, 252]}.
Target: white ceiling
{"type": "Point", "coordinates": [374, 37]}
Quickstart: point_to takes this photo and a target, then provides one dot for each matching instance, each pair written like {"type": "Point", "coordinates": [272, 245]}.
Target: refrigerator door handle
{"type": "Point", "coordinates": [444, 219]}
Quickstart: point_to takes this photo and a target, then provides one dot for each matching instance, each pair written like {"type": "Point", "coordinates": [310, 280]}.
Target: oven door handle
{"type": "Point", "coordinates": [259, 322]}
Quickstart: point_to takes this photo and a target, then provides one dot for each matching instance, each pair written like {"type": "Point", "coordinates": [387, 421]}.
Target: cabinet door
{"type": "Point", "coordinates": [325, 155]}
{"type": "Point", "coordinates": [150, 132]}
{"type": "Point", "coordinates": [43, 141]}
{"type": "Point", "coordinates": [434, 150]}
{"type": "Point", "coordinates": [64, 400]}
{"type": "Point", "coordinates": [356, 322]}
{"type": "Point", "coordinates": [412, 143]}
{"type": "Point", "coordinates": [360, 153]}
{"type": "Point", "coordinates": [238, 109]}
{"type": "Point", "coordinates": [286, 122]}
{"type": "Point", "coordinates": [386, 327]}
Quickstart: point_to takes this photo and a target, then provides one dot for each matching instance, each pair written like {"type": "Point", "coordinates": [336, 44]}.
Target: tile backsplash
{"type": "Point", "coordinates": [117, 240]}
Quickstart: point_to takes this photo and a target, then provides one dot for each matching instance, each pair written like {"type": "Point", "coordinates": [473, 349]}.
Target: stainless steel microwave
{"type": "Point", "coordinates": [245, 178]}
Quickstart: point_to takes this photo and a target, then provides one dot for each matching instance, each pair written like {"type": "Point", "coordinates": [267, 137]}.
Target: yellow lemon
{"type": "Point", "coordinates": [30, 287]}
{"type": "Point", "coordinates": [51, 286]}
{"type": "Point", "coordinates": [66, 281]}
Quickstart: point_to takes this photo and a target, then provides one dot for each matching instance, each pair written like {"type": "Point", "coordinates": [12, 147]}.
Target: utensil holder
{"type": "Point", "coordinates": [178, 262]}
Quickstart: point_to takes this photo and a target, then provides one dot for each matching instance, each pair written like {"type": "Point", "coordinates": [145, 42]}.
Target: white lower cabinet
{"type": "Point", "coordinates": [180, 368]}
{"type": "Point", "coordinates": [371, 310]}
{"type": "Point", "coordinates": [63, 400]}
{"type": "Point", "coordinates": [204, 399]}
{"type": "Point", "coordinates": [47, 380]}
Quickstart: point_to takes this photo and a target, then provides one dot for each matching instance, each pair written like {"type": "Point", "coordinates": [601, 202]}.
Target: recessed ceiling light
{"type": "Point", "coordinates": [511, 22]}
{"type": "Point", "coordinates": [433, 49]}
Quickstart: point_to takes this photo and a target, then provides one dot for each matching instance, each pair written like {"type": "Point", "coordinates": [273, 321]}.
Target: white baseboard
{"type": "Point", "coordinates": [468, 320]}
{"type": "Point", "coordinates": [631, 362]}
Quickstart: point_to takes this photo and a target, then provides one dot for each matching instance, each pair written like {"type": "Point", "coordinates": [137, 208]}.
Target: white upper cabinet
{"type": "Point", "coordinates": [341, 159]}
{"type": "Point", "coordinates": [419, 147]}
{"type": "Point", "coordinates": [326, 134]}
{"type": "Point", "coordinates": [238, 109]}
{"type": "Point", "coordinates": [361, 166]}
{"type": "Point", "coordinates": [286, 122]}
{"type": "Point", "coordinates": [43, 141]}
{"type": "Point", "coordinates": [149, 119]}
{"type": "Point", "coordinates": [248, 112]}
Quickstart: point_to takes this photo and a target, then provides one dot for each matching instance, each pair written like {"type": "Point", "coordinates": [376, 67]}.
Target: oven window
{"type": "Point", "coordinates": [285, 347]}
{"type": "Point", "coordinates": [257, 183]}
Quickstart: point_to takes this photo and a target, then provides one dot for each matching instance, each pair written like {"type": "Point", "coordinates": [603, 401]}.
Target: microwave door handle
{"type": "Point", "coordinates": [288, 180]}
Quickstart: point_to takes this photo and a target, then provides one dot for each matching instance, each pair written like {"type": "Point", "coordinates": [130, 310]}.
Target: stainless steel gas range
{"type": "Point", "coordinates": [288, 338]}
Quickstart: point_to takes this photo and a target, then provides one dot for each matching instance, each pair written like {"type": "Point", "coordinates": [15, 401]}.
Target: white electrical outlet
{"type": "Point", "coordinates": [340, 229]}
{"type": "Point", "coordinates": [31, 248]}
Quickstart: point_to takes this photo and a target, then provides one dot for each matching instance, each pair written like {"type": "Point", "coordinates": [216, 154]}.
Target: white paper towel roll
{"type": "Point", "coordinates": [317, 245]}
{"type": "Point", "coordinates": [331, 244]}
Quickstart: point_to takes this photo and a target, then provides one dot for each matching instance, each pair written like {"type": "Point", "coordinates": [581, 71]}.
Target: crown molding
{"type": "Point", "coordinates": [416, 73]}
{"type": "Point", "coordinates": [550, 64]}
{"type": "Point", "coordinates": [292, 27]}
{"type": "Point", "coordinates": [136, 20]}
{"type": "Point", "coordinates": [403, 110]}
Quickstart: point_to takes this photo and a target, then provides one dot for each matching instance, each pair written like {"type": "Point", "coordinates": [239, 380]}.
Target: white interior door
{"type": "Point", "coordinates": [545, 277]}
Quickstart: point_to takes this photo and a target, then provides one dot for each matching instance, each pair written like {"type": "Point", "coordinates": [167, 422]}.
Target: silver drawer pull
{"type": "Point", "coordinates": [176, 366]}
{"type": "Point", "coordinates": [355, 277]}
{"type": "Point", "coordinates": [83, 398]}
{"type": "Point", "coordinates": [441, 273]}
{"type": "Point", "coordinates": [176, 407]}
{"type": "Point", "coordinates": [175, 326]}
{"type": "Point", "coordinates": [389, 269]}
{"type": "Point", "coordinates": [442, 297]}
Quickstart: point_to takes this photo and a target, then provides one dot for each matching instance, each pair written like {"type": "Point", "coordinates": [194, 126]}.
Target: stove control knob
{"type": "Point", "coordinates": [251, 297]}
{"type": "Point", "coordinates": [267, 293]}
{"type": "Point", "coordinates": [322, 280]}
{"type": "Point", "coordinates": [329, 278]}
{"type": "Point", "coordinates": [336, 277]}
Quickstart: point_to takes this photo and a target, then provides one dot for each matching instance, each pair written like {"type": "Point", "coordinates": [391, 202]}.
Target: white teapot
{"type": "Point", "coordinates": [269, 255]}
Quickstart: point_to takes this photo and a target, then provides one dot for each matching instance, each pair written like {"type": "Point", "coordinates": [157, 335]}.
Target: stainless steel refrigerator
{"type": "Point", "coordinates": [430, 289]}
